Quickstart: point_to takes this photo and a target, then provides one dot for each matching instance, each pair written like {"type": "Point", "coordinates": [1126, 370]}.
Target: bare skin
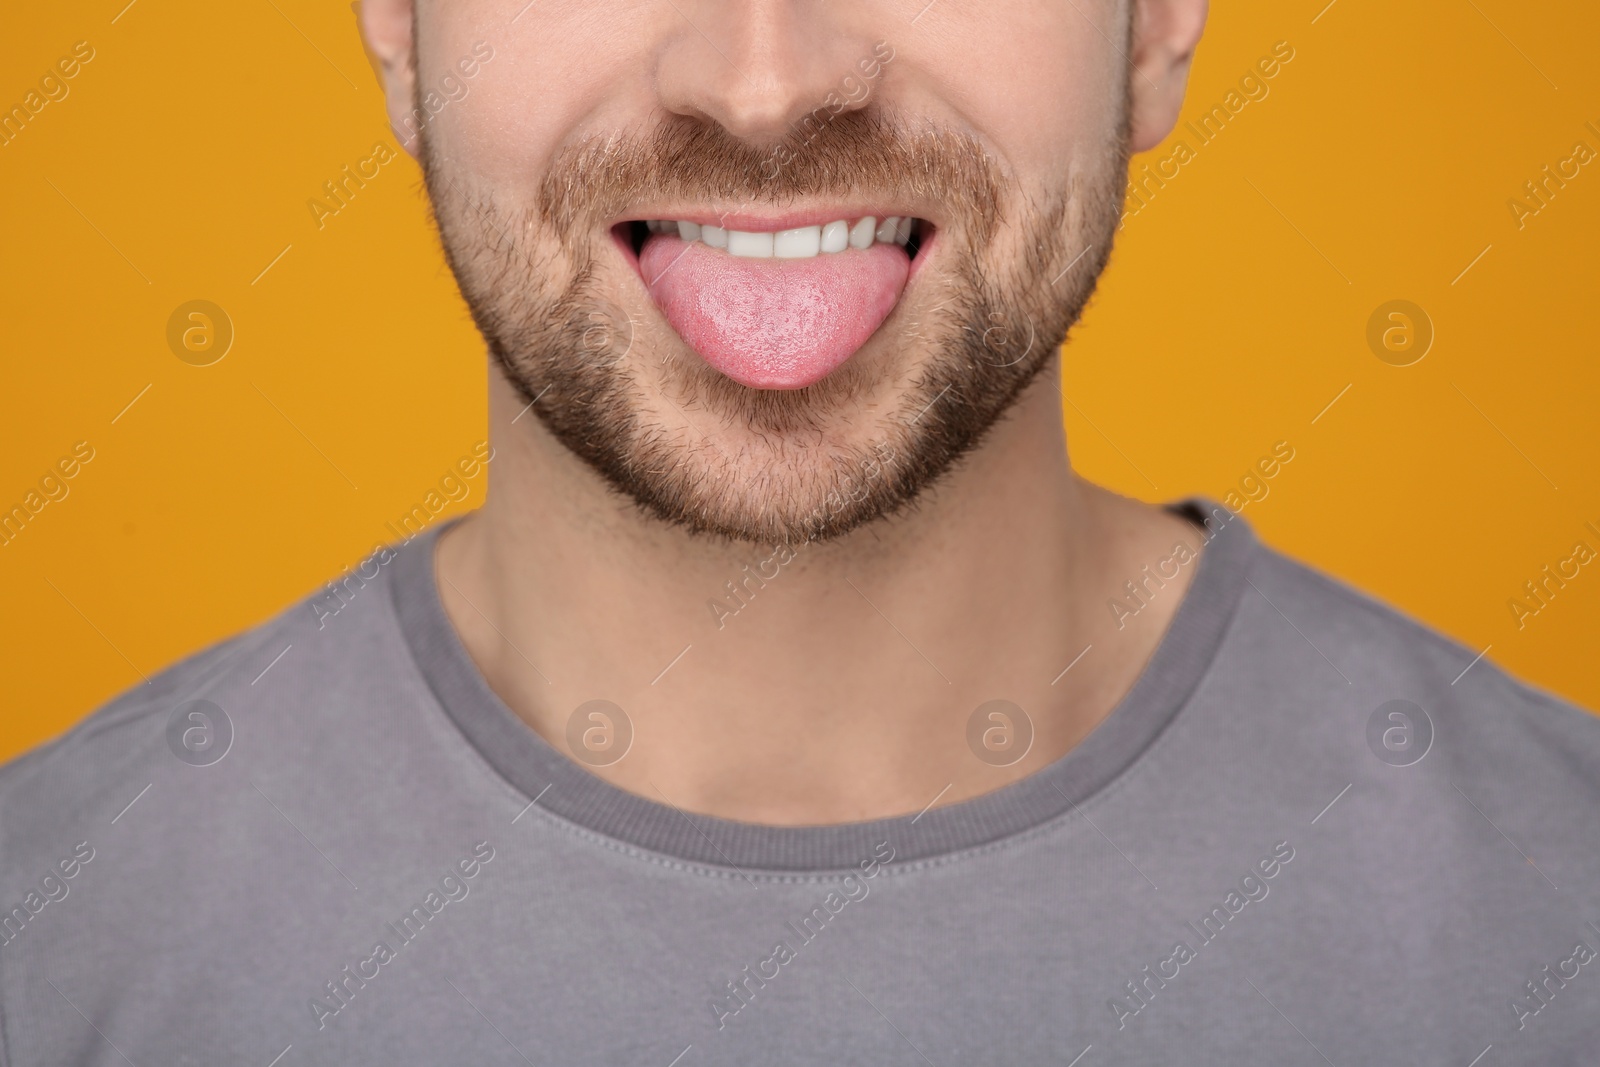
{"type": "Point", "coordinates": [842, 691]}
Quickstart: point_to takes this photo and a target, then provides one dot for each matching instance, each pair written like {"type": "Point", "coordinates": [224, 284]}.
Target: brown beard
{"type": "Point", "coordinates": [802, 470]}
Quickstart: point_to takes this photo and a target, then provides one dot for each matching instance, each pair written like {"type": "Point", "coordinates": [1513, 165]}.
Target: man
{"type": "Point", "coordinates": [790, 700]}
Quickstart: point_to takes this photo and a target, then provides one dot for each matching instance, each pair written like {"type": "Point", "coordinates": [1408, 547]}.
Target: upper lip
{"type": "Point", "coordinates": [753, 221]}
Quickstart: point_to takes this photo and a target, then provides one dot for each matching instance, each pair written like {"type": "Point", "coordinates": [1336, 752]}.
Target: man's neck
{"type": "Point", "coordinates": [836, 681]}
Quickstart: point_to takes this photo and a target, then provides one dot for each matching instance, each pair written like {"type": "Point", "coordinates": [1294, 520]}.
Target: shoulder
{"type": "Point", "coordinates": [1487, 726]}
{"type": "Point", "coordinates": [81, 774]}
{"type": "Point", "coordinates": [262, 682]}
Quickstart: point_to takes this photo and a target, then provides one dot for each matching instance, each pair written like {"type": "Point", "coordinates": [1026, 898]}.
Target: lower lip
{"type": "Point", "coordinates": [774, 323]}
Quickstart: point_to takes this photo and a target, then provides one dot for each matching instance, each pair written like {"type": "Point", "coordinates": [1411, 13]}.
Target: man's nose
{"type": "Point", "coordinates": [758, 67]}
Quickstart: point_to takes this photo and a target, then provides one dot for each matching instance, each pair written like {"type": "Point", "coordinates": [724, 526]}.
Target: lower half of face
{"type": "Point", "coordinates": [782, 343]}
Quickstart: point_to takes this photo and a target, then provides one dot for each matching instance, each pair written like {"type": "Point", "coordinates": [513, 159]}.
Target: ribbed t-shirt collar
{"type": "Point", "coordinates": [568, 791]}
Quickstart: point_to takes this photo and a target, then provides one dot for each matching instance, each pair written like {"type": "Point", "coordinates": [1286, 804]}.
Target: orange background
{"type": "Point", "coordinates": [1378, 167]}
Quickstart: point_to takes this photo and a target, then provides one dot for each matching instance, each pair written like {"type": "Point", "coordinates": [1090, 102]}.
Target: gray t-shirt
{"type": "Point", "coordinates": [1312, 833]}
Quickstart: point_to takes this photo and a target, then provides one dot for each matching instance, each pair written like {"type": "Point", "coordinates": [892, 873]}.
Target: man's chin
{"type": "Point", "coordinates": [770, 494]}
{"type": "Point", "coordinates": [770, 466]}
{"type": "Point", "coordinates": [829, 410]}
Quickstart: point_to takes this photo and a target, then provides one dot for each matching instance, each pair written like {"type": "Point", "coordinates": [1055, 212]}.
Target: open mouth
{"type": "Point", "coordinates": [777, 308]}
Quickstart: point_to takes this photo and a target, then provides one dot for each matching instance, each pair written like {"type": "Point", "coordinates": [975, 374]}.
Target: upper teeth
{"type": "Point", "coordinates": [801, 243]}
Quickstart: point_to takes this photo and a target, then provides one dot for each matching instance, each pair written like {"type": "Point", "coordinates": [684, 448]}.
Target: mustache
{"type": "Point", "coordinates": [860, 155]}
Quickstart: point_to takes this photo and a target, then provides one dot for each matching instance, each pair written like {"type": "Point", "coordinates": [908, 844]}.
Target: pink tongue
{"type": "Point", "coordinates": [773, 323]}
